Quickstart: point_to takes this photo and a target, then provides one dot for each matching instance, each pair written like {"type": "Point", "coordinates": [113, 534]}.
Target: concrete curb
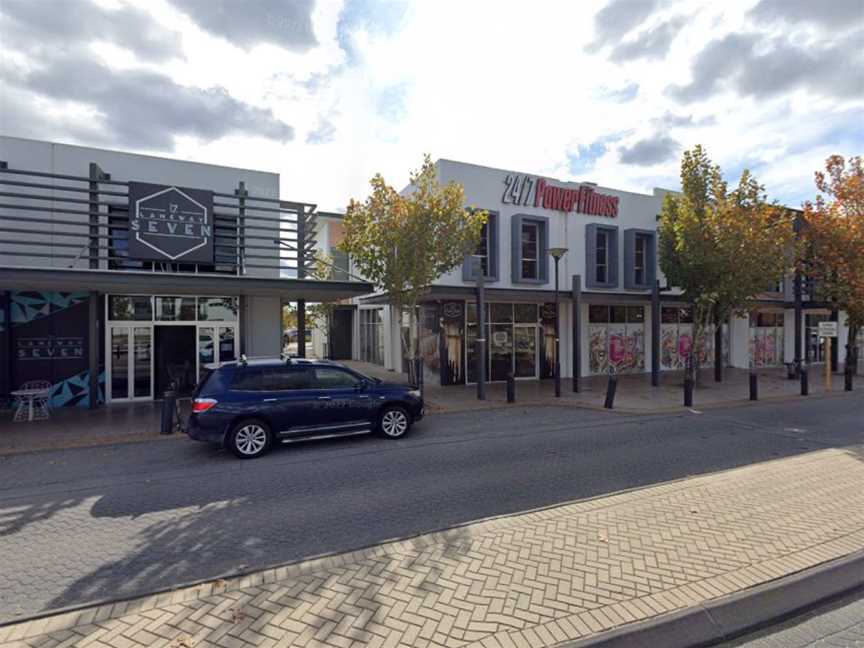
{"type": "Point", "coordinates": [737, 614]}
{"type": "Point", "coordinates": [435, 410]}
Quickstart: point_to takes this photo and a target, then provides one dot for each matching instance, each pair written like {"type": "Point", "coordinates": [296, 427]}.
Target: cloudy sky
{"type": "Point", "coordinates": [328, 92]}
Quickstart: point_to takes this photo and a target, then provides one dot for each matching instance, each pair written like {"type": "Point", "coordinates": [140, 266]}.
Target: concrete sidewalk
{"type": "Point", "coordinates": [534, 579]}
{"type": "Point", "coordinates": [74, 427]}
{"type": "Point", "coordinates": [635, 394]}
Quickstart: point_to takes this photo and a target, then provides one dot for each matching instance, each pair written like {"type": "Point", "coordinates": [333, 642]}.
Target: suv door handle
{"type": "Point", "coordinates": [323, 398]}
{"type": "Point", "coordinates": [270, 400]}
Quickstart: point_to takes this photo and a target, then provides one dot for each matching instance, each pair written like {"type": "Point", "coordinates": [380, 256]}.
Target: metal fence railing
{"type": "Point", "coordinates": [67, 221]}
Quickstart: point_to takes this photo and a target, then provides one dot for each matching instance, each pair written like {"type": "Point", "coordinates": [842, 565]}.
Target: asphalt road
{"type": "Point", "coordinates": [838, 624]}
{"type": "Point", "coordinates": [83, 525]}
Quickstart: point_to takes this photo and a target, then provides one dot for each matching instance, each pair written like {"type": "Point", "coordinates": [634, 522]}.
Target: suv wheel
{"type": "Point", "coordinates": [394, 422]}
{"type": "Point", "coordinates": [249, 439]}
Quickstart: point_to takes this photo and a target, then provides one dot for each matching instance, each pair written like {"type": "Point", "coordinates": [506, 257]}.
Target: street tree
{"type": "Point", "coordinates": [833, 238]}
{"type": "Point", "coordinates": [403, 243]}
{"type": "Point", "coordinates": [721, 246]}
{"type": "Point", "coordinates": [320, 315]}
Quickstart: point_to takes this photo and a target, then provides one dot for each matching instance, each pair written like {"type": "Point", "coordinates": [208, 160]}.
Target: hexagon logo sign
{"type": "Point", "coordinates": [168, 223]}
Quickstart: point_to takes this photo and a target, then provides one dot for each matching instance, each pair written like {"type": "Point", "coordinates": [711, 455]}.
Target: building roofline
{"type": "Point", "coordinates": [144, 155]}
{"type": "Point", "coordinates": [559, 180]}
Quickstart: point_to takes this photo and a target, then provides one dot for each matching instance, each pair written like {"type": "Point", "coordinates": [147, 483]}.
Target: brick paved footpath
{"type": "Point", "coordinates": [534, 579]}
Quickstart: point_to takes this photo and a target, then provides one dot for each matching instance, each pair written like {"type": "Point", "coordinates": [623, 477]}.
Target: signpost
{"type": "Point", "coordinates": [827, 331]}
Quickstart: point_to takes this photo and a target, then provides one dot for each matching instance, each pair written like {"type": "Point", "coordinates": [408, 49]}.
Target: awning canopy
{"type": "Point", "coordinates": [168, 283]}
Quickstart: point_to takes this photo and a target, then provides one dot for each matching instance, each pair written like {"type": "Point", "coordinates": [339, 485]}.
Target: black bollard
{"type": "Point", "coordinates": [169, 403]}
{"type": "Point", "coordinates": [805, 385]}
{"type": "Point", "coordinates": [754, 386]}
{"type": "Point", "coordinates": [611, 388]}
{"type": "Point", "coordinates": [688, 392]}
{"type": "Point", "coordinates": [847, 384]}
{"type": "Point", "coordinates": [511, 388]}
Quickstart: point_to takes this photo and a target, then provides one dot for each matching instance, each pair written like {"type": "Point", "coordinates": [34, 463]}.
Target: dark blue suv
{"type": "Point", "coordinates": [248, 406]}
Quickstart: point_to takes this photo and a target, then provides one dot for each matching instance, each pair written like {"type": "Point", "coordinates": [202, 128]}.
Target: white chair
{"type": "Point", "coordinates": [40, 399]}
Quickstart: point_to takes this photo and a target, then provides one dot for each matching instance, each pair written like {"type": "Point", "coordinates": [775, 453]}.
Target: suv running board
{"type": "Point", "coordinates": [324, 436]}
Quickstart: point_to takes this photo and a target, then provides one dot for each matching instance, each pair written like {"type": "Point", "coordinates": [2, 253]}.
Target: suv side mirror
{"type": "Point", "coordinates": [363, 385]}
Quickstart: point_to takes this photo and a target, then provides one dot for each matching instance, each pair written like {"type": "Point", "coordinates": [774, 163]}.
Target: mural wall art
{"type": "Point", "coordinates": [49, 342]}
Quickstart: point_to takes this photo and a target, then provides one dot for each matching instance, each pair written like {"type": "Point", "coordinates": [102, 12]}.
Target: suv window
{"type": "Point", "coordinates": [247, 380]}
{"type": "Point", "coordinates": [333, 378]}
{"type": "Point", "coordinates": [287, 378]}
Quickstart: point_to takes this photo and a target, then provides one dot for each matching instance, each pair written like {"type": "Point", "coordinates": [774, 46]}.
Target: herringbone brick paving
{"type": "Point", "coordinates": [535, 579]}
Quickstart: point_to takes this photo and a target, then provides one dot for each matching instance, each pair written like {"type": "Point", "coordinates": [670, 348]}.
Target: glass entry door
{"type": "Point", "coordinates": [525, 351]}
{"type": "Point", "coordinates": [216, 344]}
{"type": "Point", "coordinates": [815, 346]}
{"type": "Point", "coordinates": [130, 365]}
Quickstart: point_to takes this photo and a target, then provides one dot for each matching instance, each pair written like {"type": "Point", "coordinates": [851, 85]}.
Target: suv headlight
{"type": "Point", "coordinates": [415, 393]}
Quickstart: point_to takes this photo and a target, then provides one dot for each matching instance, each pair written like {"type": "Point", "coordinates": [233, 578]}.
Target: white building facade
{"type": "Point", "coordinates": [608, 317]}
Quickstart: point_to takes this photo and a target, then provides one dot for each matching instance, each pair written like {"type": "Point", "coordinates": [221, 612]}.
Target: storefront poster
{"type": "Point", "coordinates": [452, 332]}
{"type": "Point", "coordinates": [597, 349]}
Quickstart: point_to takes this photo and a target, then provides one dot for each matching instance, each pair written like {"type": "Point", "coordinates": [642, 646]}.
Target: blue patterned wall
{"type": "Point", "coordinates": [50, 342]}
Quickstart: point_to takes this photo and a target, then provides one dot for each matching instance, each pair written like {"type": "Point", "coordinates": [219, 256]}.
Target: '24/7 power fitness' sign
{"type": "Point", "coordinates": [537, 192]}
{"type": "Point", "coordinates": [169, 223]}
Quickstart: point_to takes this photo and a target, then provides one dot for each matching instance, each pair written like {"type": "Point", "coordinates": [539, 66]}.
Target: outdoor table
{"type": "Point", "coordinates": [25, 402]}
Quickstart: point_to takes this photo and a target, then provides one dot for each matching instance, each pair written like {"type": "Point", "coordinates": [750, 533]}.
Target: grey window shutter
{"type": "Point", "coordinates": [492, 251]}
{"type": "Point", "coordinates": [516, 248]}
{"type": "Point", "coordinates": [630, 259]}
{"type": "Point", "coordinates": [613, 258]}
{"type": "Point", "coordinates": [652, 260]}
{"type": "Point", "coordinates": [591, 256]}
{"type": "Point", "coordinates": [493, 246]}
{"type": "Point", "coordinates": [543, 261]}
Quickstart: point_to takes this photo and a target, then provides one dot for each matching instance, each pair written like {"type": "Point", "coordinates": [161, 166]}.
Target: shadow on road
{"type": "Point", "coordinates": [231, 516]}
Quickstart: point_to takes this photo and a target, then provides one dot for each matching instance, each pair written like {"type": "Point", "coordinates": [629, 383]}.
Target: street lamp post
{"type": "Point", "coordinates": [477, 266]}
{"type": "Point", "coordinates": [557, 253]}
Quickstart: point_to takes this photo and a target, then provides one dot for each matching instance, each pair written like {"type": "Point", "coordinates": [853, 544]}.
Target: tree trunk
{"type": "Point", "coordinates": [410, 342]}
{"type": "Point", "coordinates": [718, 346]}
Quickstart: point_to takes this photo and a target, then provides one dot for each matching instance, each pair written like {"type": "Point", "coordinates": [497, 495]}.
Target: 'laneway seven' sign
{"type": "Point", "coordinates": [170, 223]}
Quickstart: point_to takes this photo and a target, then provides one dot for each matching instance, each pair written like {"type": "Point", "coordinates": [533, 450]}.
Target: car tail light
{"type": "Point", "coordinates": [200, 405]}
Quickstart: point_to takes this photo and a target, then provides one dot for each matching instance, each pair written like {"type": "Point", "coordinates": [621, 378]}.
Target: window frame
{"type": "Point", "coordinates": [612, 259]}
{"type": "Point", "coordinates": [491, 229]}
{"type": "Point", "coordinates": [357, 378]}
{"type": "Point", "coordinates": [542, 223]}
{"type": "Point", "coordinates": [633, 238]}
{"type": "Point", "coordinates": [640, 252]}
{"type": "Point", "coordinates": [523, 239]}
{"type": "Point", "coordinates": [604, 266]}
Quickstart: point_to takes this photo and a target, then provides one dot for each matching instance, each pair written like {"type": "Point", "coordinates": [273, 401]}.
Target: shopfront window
{"type": "Point", "coordinates": [526, 313]}
{"type": "Point", "coordinates": [125, 308]}
{"type": "Point", "coordinates": [502, 313]}
{"type": "Point", "coordinates": [616, 337]}
{"type": "Point", "coordinates": [175, 309]}
{"type": "Point", "coordinates": [217, 309]}
{"type": "Point", "coordinates": [598, 314]}
{"type": "Point", "coordinates": [512, 341]}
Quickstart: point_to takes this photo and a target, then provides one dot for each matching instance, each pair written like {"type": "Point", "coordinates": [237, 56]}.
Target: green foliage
{"type": "Point", "coordinates": [320, 315]}
{"type": "Point", "coordinates": [404, 243]}
{"type": "Point", "coordinates": [722, 247]}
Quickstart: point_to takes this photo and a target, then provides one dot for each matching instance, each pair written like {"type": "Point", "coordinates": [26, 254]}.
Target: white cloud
{"type": "Point", "coordinates": [504, 84]}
